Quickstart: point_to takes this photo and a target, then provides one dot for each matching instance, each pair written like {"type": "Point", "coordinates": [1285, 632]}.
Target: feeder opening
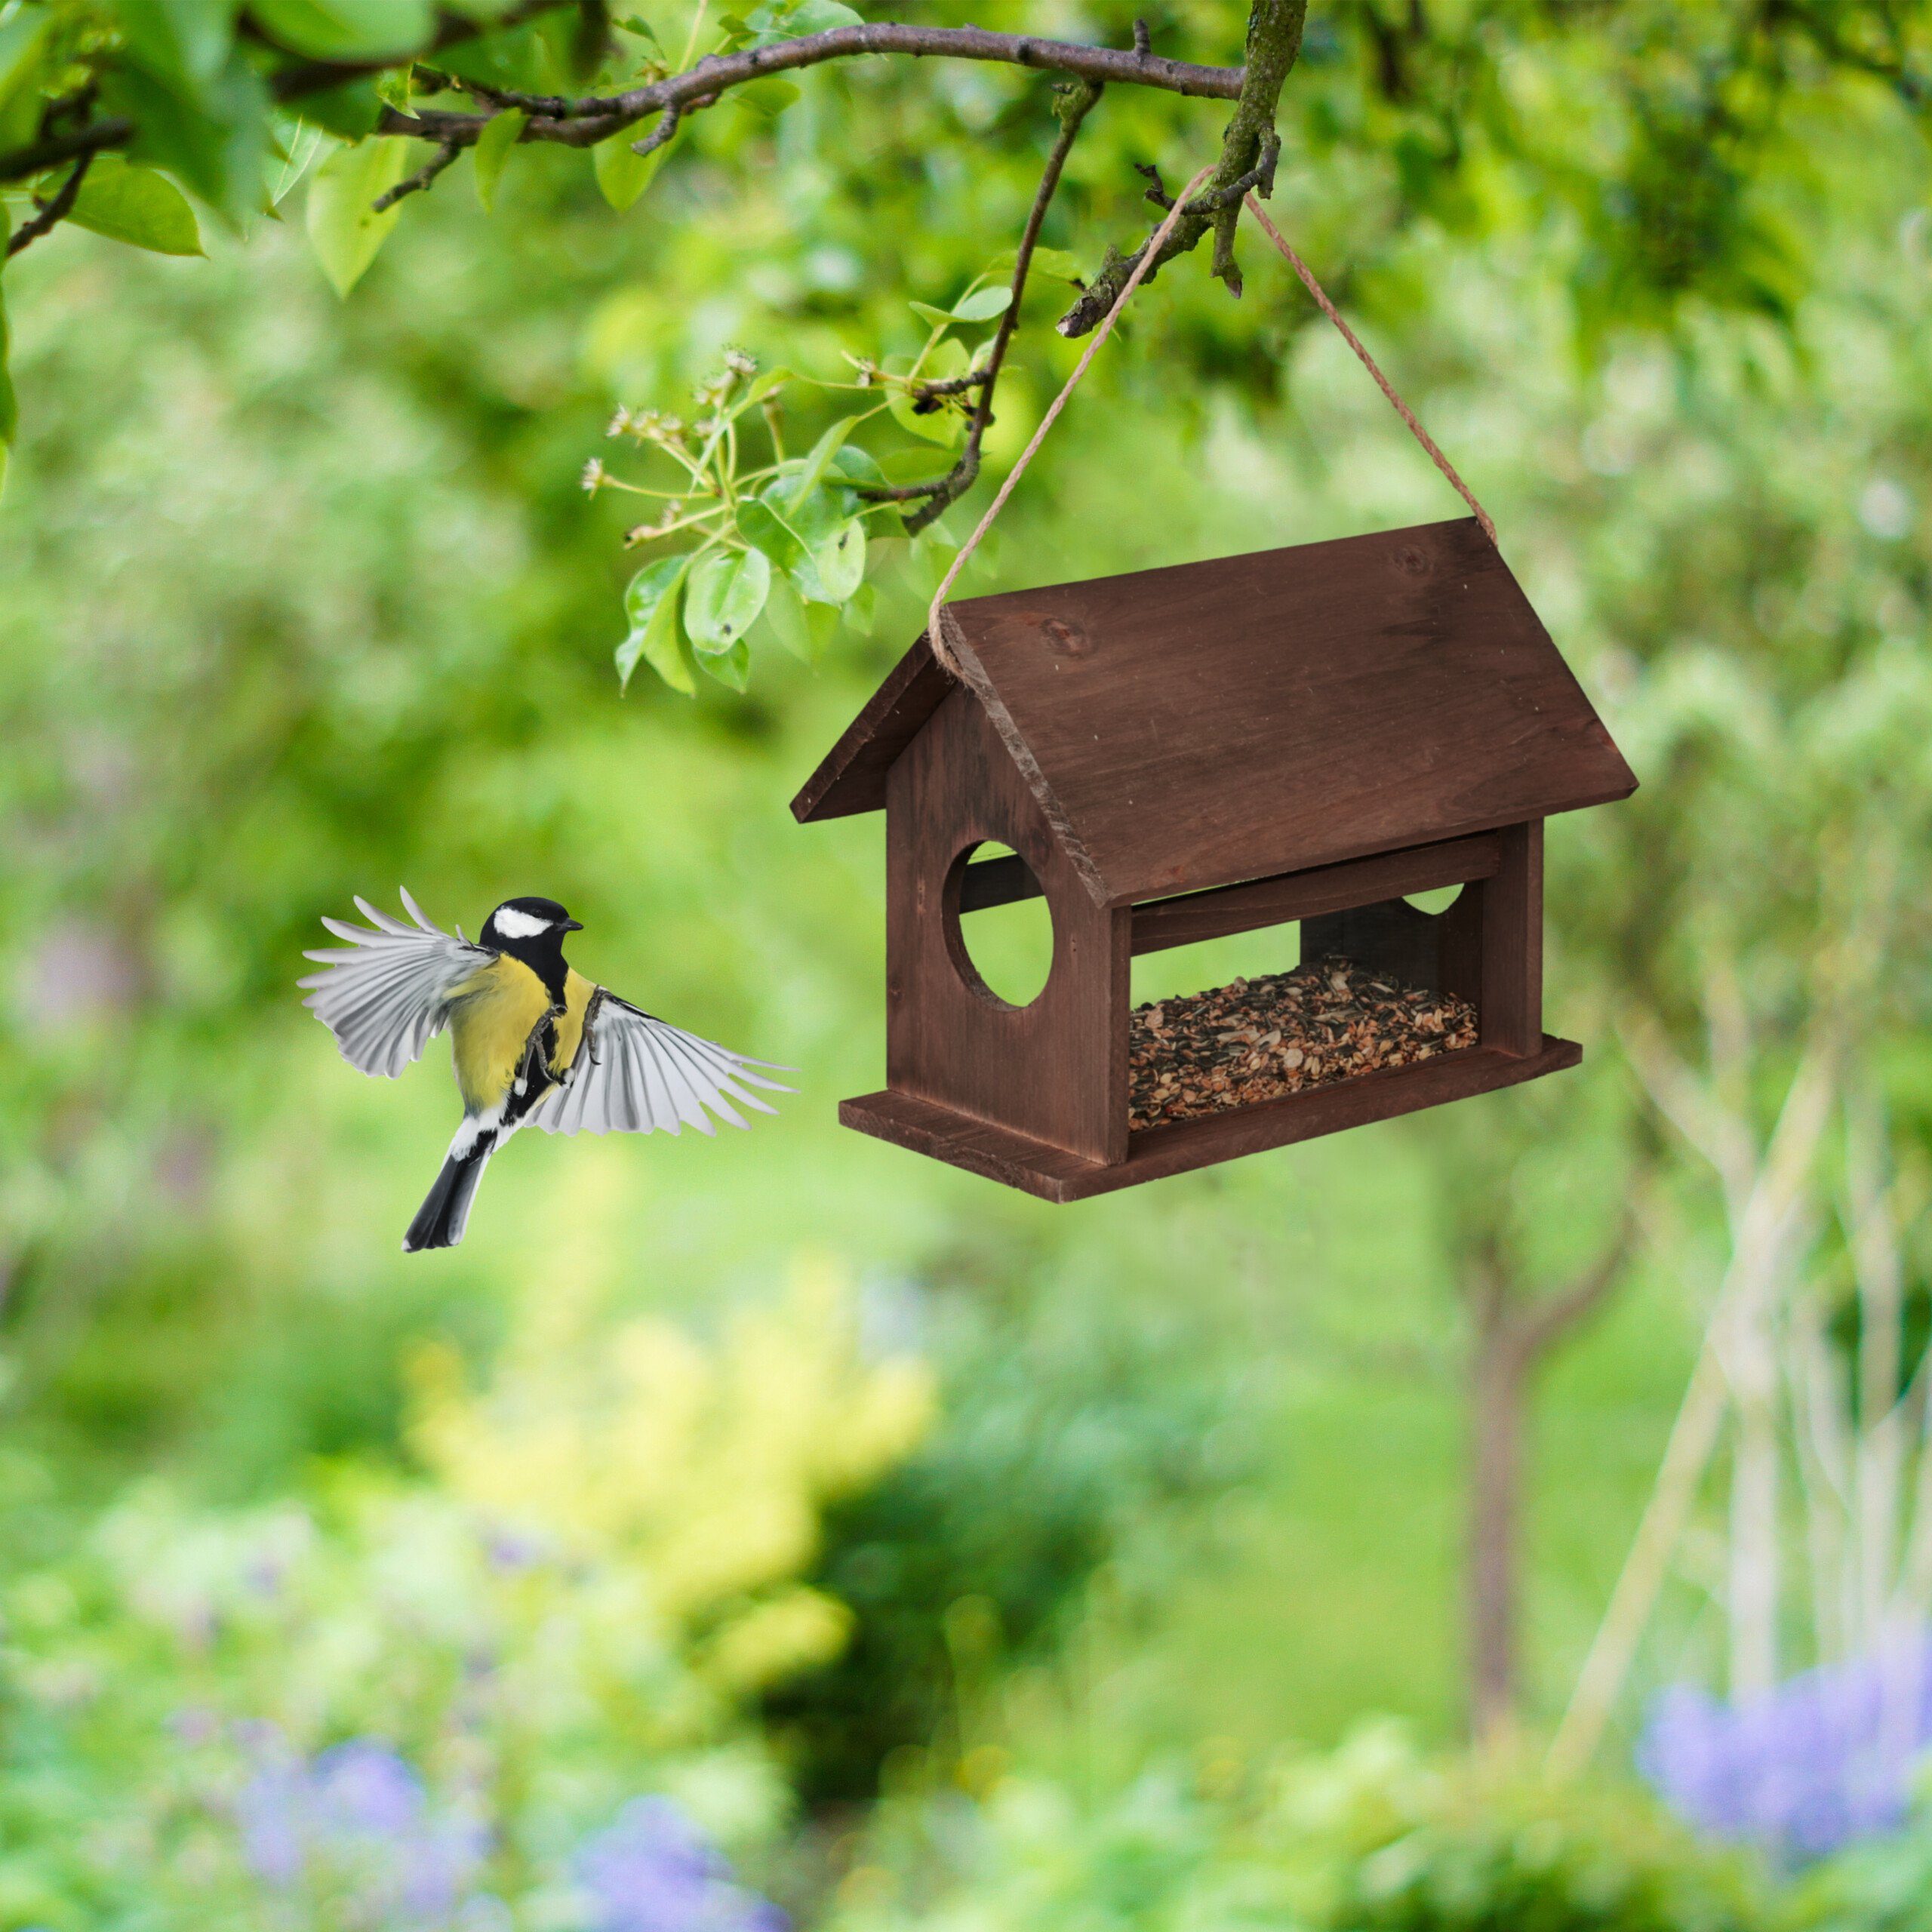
{"type": "Point", "coordinates": [999, 926]}
{"type": "Point", "coordinates": [1329, 1020]}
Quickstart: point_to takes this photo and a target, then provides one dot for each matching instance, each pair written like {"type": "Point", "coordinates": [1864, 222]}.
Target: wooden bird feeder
{"type": "Point", "coordinates": [1307, 734]}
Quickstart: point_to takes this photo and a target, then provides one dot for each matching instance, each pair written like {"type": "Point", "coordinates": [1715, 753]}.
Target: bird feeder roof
{"type": "Point", "coordinates": [1208, 723]}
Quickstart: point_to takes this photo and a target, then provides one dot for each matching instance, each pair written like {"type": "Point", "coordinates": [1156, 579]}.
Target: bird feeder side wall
{"type": "Point", "coordinates": [1485, 947]}
{"type": "Point", "coordinates": [1510, 999]}
{"type": "Point", "coordinates": [1055, 1070]}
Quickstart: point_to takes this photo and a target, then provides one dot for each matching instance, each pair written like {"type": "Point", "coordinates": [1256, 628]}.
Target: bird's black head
{"type": "Point", "coordinates": [532, 930]}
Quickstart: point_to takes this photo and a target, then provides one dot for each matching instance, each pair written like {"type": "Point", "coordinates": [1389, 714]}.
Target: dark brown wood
{"type": "Point", "coordinates": [987, 882]}
{"type": "Point", "coordinates": [851, 777]}
{"type": "Point", "coordinates": [1392, 939]}
{"type": "Point", "coordinates": [1055, 1070]}
{"type": "Point", "coordinates": [1054, 1174]}
{"type": "Point", "coordinates": [1211, 723]}
{"type": "Point", "coordinates": [1511, 1004]}
{"type": "Point", "coordinates": [1161, 923]}
{"type": "Point", "coordinates": [1459, 942]}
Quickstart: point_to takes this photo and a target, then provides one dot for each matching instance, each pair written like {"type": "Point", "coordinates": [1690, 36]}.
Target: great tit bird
{"type": "Point", "coordinates": [533, 1040]}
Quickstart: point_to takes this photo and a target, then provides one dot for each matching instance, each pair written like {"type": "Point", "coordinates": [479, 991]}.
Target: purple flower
{"type": "Point", "coordinates": [1824, 1758]}
{"type": "Point", "coordinates": [654, 1870]}
{"type": "Point", "coordinates": [365, 1786]}
{"type": "Point", "coordinates": [357, 1819]}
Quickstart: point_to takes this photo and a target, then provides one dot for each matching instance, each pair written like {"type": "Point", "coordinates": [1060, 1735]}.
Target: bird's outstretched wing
{"type": "Point", "coordinates": [386, 994]}
{"type": "Point", "coordinates": [635, 1075]}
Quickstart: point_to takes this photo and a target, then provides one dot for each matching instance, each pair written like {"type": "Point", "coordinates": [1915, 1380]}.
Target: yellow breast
{"type": "Point", "coordinates": [492, 1016]}
{"type": "Point", "coordinates": [577, 990]}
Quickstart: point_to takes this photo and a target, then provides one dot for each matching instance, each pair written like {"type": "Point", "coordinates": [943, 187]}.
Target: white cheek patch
{"type": "Point", "coordinates": [513, 924]}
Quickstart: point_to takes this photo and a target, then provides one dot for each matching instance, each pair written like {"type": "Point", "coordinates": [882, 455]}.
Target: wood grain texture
{"type": "Point", "coordinates": [1210, 723]}
{"type": "Point", "coordinates": [1511, 1003]}
{"type": "Point", "coordinates": [1054, 1174]}
{"type": "Point", "coordinates": [1160, 923]}
{"type": "Point", "coordinates": [1055, 1070]}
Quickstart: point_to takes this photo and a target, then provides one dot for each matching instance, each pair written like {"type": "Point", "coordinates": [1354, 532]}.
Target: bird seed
{"type": "Point", "coordinates": [1261, 1039]}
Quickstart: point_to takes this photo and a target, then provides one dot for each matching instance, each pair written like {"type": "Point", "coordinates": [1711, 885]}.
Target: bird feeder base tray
{"type": "Point", "coordinates": [1054, 1174]}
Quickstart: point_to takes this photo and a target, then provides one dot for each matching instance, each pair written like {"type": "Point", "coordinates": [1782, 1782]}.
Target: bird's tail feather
{"type": "Point", "coordinates": [440, 1221]}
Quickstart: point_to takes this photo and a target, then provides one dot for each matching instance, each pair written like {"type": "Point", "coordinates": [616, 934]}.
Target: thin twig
{"type": "Point", "coordinates": [1076, 102]}
{"type": "Point", "coordinates": [1248, 150]}
{"type": "Point", "coordinates": [53, 213]}
{"type": "Point", "coordinates": [660, 134]}
{"type": "Point", "coordinates": [936, 637]}
{"type": "Point", "coordinates": [597, 119]}
{"type": "Point", "coordinates": [445, 157]}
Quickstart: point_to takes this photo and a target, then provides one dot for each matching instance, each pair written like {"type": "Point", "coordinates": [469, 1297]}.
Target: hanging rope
{"type": "Point", "coordinates": [1368, 362]}
{"type": "Point", "coordinates": [941, 650]}
{"type": "Point", "coordinates": [1149, 255]}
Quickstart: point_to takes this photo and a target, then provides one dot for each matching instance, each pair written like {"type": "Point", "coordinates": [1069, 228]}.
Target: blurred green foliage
{"type": "Point", "coordinates": [1375, 1836]}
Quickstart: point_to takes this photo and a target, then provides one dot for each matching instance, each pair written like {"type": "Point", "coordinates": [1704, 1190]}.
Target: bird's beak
{"type": "Point", "coordinates": [572, 925]}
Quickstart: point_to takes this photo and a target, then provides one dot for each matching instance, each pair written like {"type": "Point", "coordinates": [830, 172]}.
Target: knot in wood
{"type": "Point", "coordinates": [1068, 640]}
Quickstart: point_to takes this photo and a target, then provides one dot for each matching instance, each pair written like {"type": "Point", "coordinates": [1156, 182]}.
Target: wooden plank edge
{"type": "Point", "coordinates": [1190, 918]}
{"type": "Point", "coordinates": [1051, 1173]}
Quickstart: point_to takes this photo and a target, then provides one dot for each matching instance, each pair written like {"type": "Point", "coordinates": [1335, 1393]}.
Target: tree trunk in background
{"type": "Point", "coordinates": [1514, 1332]}
{"type": "Point", "coordinates": [1497, 1418]}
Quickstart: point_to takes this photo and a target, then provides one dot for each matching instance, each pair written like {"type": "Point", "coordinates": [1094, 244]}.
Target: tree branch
{"type": "Point", "coordinates": [54, 213]}
{"type": "Point", "coordinates": [25, 162]}
{"type": "Point", "coordinates": [443, 157]}
{"type": "Point", "coordinates": [1248, 152]}
{"type": "Point", "coordinates": [597, 117]}
{"type": "Point", "coordinates": [1076, 101]}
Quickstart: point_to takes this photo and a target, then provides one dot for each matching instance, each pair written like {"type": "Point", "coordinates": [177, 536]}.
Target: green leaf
{"type": "Point", "coordinates": [732, 667]}
{"type": "Point", "coordinates": [855, 465]}
{"type": "Point", "coordinates": [622, 176]}
{"type": "Point", "coordinates": [945, 424]}
{"type": "Point", "coordinates": [769, 99]}
{"type": "Point", "coordinates": [350, 111]}
{"type": "Point", "coordinates": [299, 142]}
{"type": "Point", "coordinates": [345, 30]}
{"type": "Point", "coordinates": [840, 561]}
{"type": "Point", "coordinates": [771, 23]}
{"type": "Point", "coordinates": [760, 523]}
{"type": "Point", "coordinates": [862, 607]}
{"type": "Point", "coordinates": [636, 23]}
{"type": "Point", "coordinates": [183, 40]}
{"type": "Point", "coordinates": [22, 49]}
{"type": "Point", "coordinates": [982, 305]}
{"type": "Point", "coordinates": [653, 605]}
{"type": "Point", "coordinates": [395, 86]}
{"type": "Point", "coordinates": [1054, 262]}
{"type": "Point", "coordinates": [728, 591]}
{"type": "Point", "coordinates": [911, 466]}
{"type": "Point", "coordinates": [137, 206]}
{"type": "Point", "coordinates": [785, 617]}
{"type": "Point", "coordinates": [344, 228]}
{"type": "Point", "coordinates": [215, 144]}
{"type": "Point", "coordinates": [827, 447]}
{"type": "Point", "coordinates": [493, 150]}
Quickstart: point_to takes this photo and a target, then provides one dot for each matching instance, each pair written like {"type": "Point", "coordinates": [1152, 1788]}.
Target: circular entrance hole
{"type": "Point", "coordinates": [999, 925]}
{"type": "Point", "coordinates": [1438, 900]}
